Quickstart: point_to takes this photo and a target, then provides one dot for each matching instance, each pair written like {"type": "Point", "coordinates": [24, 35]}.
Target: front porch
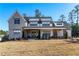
{"type": "Point", "coordinates": [31, 34]}
{"type": "Point", "coordinates": [44, 33]}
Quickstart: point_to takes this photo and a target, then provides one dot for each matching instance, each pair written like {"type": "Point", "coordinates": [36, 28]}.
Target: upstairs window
{"type": "Point", "coordinates": [59, 24]}
{"type": "Point", "coordinates": [46, 24]}
{"type": "Point", "coordinates": [33, 23]}
{"type": "Point", "coordinates": [17, 21]}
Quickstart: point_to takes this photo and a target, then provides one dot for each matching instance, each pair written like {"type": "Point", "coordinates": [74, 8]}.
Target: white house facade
{"type": "Point", "coordinates": [37, 27]}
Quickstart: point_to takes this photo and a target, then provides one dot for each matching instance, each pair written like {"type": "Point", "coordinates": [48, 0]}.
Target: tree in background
{"type": "Point", "coordinates": [37, 13]}
{"type": "Point", "coordinates": [74, 15]}
{"type": "Point", "coordinates": [2, 32]}
{"type": "Point", "coordinates": [75, 30]}
{"type": "Point", "coordinates": [71, 17]}
{"type": "Point", "coordinates": [62, 18]}
{"type": "Point", "coordinates": [74, 20]}
{"type": "Point", "coordinates": [77, 12]}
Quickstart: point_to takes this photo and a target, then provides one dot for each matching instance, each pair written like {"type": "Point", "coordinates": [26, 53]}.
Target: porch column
{"type": "Point", "coordinates": [25, 34]}
{"type": "Point", "coordinates": [51, 35]}
{"type": "Point", "coordinates": [68, 33]}
{"type": "Point", "coordinates": [39, 35]}
{"type": "Point", "coordinates": [60, 33]}
{"type": "Point", "coordinates": [41, 32]}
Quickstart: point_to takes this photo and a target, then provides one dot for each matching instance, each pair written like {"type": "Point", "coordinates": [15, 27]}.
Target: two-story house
{"type": "Point", "coordinates": [37, 27]}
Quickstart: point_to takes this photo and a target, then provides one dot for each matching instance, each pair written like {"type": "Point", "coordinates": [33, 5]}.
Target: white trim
{"type": "Point", "coordinates": [36, 19]}
{"type": "Point", "coordinates": [26, 24]}
{"type": "Point", "coordinates": [60, 33]}
{"type": "Point", "coordinates": [69, 33]}
{"type": "Point", "coordinates": [45, 22]}
{"type": "Point", "coordinates": [58, 25]}
{"type": "Point", "coordinates": [17, 31]}
{"type": "Point", "coordinates": [44, 19]}
{"type": "Point", "coordinates": [50, 24]}
{"type": "Point", "coordinates": [44, 28]}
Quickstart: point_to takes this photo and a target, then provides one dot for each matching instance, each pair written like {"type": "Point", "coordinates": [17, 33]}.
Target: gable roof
{"type": "Point", "coordinates": [16, 14]}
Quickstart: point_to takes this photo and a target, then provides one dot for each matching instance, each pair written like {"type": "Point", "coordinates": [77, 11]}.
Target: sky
{"type": "Point", "coordinates": [47, 9]}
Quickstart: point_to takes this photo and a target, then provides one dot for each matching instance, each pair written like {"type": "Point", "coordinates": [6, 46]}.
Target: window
{"type": "Point", "coordinates": [33, 23]}
{"type": "Point", "coordinates": [26, 24]}
{"type": "Point", "coordinates": [17, 21]}
{"type": "Point", "coordinates": [17, 31]}
{"type": "Point", "coordinates": [46, 23]}
{"type": "Point", "coordinates": [58, 24]}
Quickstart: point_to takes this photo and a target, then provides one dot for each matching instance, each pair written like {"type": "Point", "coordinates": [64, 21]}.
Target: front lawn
{"type": "Point", "coordinates": [39, 48]}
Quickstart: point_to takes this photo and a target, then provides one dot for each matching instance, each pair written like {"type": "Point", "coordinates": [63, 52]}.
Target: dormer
{"type": "Point", "coordinates": [58, 23]}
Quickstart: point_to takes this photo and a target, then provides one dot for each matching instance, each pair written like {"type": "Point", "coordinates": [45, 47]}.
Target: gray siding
{"type": "Point", "coordinates": [13, 26]}
{"type": "Point", "coordinates": [24, 23]}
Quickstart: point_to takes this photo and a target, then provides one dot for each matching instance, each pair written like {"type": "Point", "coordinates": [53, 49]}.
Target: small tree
{"type": "Point", "coordinates": [2, 32]}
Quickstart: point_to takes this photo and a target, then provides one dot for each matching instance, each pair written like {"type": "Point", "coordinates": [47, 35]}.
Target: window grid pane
{"type": "Point", "coordinates": [17, 21]}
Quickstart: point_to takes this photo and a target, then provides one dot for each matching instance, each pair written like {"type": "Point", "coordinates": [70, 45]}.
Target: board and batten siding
{"type": "Point", "coordinates": [68, 33]}
{"type": "Point", "coordinates": [13, 26]}
{"type": "Point", "coordinates": [60, 33]}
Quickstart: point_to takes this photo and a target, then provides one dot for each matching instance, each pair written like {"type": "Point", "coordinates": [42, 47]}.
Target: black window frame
{"type": "Point", "coordinates": [17, 21]}
{"type": "Point", "coordinates": [45, 25]}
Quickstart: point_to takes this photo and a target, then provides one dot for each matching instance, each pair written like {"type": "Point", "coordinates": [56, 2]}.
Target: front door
{"type": "Point", "coordinates": [33, 34]}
